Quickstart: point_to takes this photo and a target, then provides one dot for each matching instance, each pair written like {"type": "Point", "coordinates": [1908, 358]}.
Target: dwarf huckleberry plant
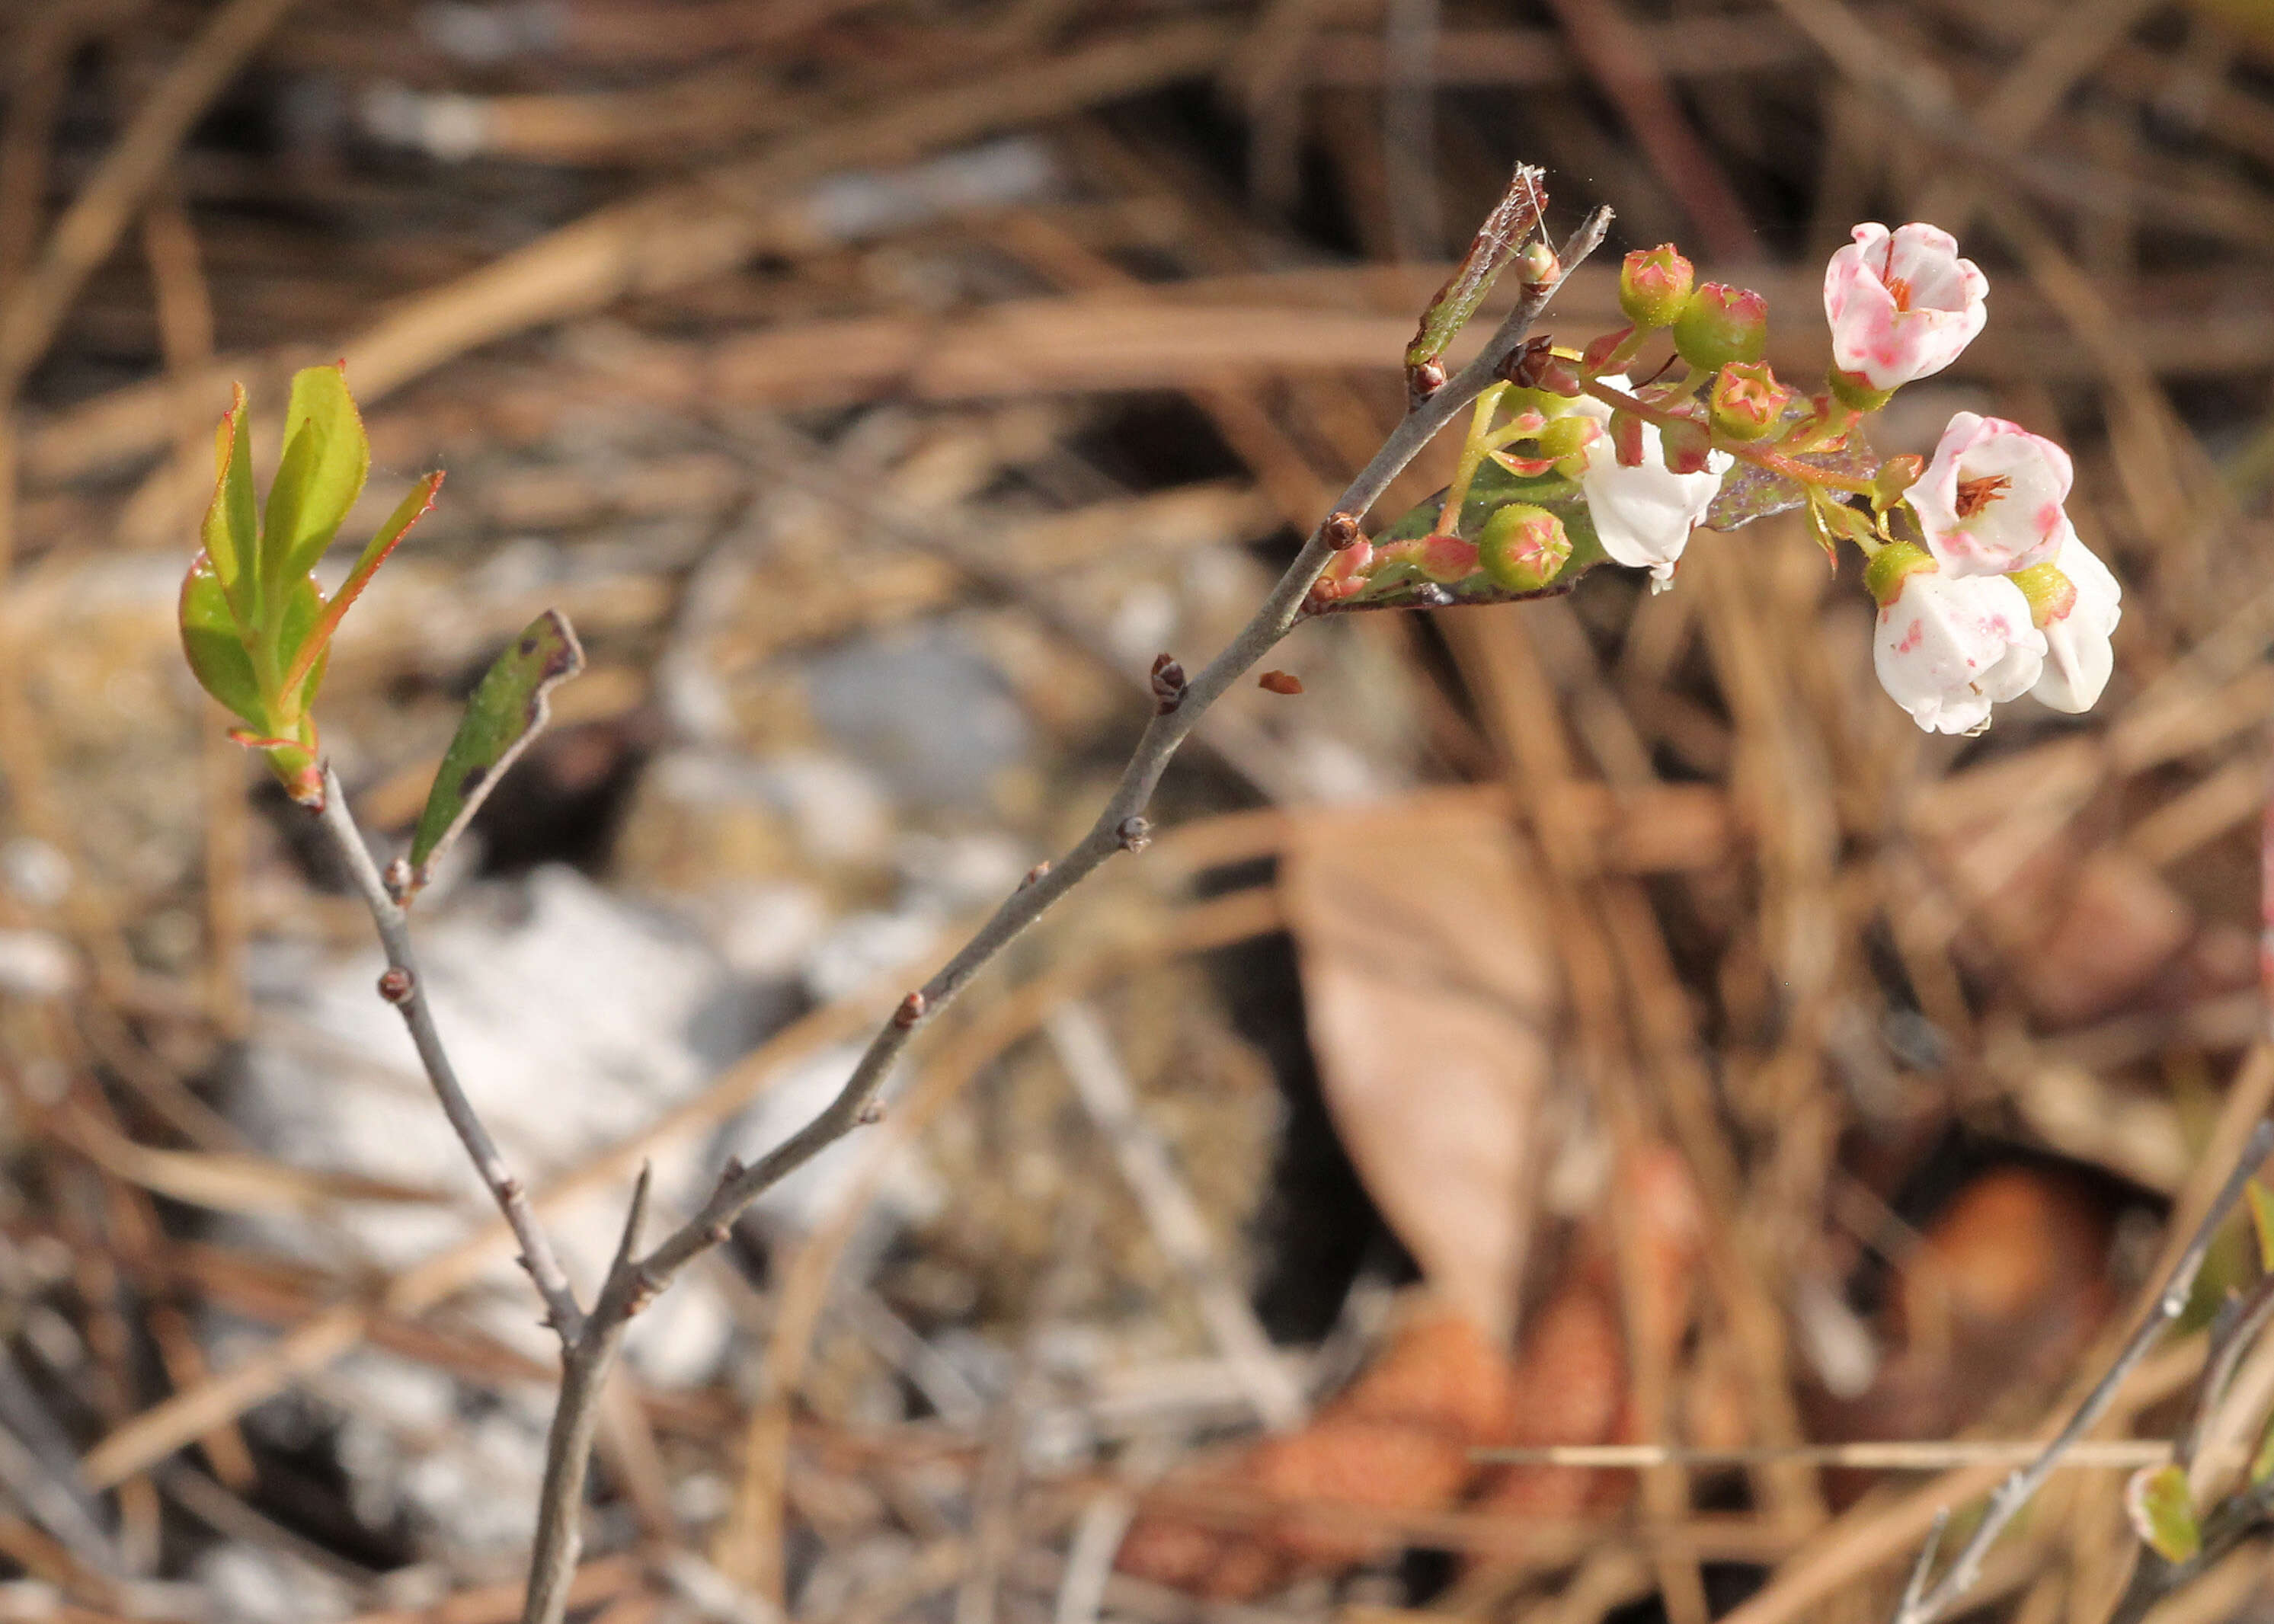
{"type": "Point", "coordinates": [1983, 591]}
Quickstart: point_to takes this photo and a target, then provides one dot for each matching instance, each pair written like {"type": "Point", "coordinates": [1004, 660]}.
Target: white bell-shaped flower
{"type": "Point", "coordinates": [1948, 647]}
{"type": "Point", "coordinates": [1901, 304]}
{"type": "Point", "coordinates": [1644, 514]}
{"type": "Point", "coordinates": [1990, 502]}
{"type": "Point", "coordinates": [2076, 603]}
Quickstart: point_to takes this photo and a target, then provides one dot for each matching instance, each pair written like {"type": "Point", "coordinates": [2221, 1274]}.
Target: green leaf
{"type": "Point", "coordinates": [304, 662]}
{"type": "Point", "coordinates": [1494, 244]}
{"type": "Point", "coordinates": [2262, 1463]}
{"type": "Point", "coordinates": [2262, 1218]}
{"type": "Point", "coordinates": [2163, 1512]}
{"type": "Point", "coordinates": [327, 457]}
{"type": "Point", "coordinates": [508, 708]}
{"type": "Point", "coordinates": [229, 534]}
{"type": "Point", "coordinates": [212, 645]}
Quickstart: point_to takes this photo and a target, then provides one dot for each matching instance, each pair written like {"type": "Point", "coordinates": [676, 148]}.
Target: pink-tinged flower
{"type": "Point", "coordinates": [1948, 647]}
{"type": "Point", "coordinates": [1901, 304]}
{"type": "Point", "coordinates": [1644, 513]}
{"type": "Point", "coordinates": [2076, 603]}
{"type": "Point", "coordinates": [1990, 502]}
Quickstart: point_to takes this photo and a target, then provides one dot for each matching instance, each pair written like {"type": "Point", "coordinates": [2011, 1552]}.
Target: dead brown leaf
{"type": "Point", "coordinates": [1431, 994]}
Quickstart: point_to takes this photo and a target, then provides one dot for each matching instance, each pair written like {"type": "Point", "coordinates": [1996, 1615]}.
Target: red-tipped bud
{"type": "Point", "coordinates": [1523, 364]}
{"type": "Point", "coordinates": [1558, 376]}
{"type": "Point", "coordinates": [1524, 547]}
{"type": "Point", "coordinates": [1654, 284]}
{"type": "Point", "coordinates": [1683, 446]}
{"type": "Point", "coordinates": [1895, 476]}
{"type": "Point", "coordinates": [1610, 352]}
{"type": "Point", "coordinates": [1446, 559]}
{"type": "Point", "coordinates": [1626, 439]}
{"type": "Point", "coordinates": [1721, 324]}
{"type": "Point", "coordinates": [1748, 402]}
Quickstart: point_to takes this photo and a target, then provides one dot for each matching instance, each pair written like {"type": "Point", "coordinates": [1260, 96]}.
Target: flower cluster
{"type": "Point", "coordinates": [1984, 592]}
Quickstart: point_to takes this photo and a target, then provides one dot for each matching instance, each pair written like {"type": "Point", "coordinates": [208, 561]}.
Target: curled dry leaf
{"type": "Point", "coordinates": [1429, 989]}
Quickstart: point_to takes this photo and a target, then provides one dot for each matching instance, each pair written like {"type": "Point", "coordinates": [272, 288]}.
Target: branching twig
{"type": "Point", "coordinates": [1921, 1604]}
{"type": "Point", "coordinates": [591, 1341]}
{"type": "Point", "coordinates": [401, 987]}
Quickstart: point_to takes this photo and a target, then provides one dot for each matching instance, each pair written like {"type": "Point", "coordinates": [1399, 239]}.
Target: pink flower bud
{"type": "Point", "coordinates": [1902, 304]}
{"type": "Point", "coordinates": [1990, 502]}
{"type": "Point", "coordinates": [1524, 547]}
{"type": "Point", "coordinates": [1654, 284]}
{"type": "Point", "coordinates": [1721, 324]}
{"type": "Point", "coordinates": [1747, 402]}
{"type": "Point", "coordinates": [1948, 647]}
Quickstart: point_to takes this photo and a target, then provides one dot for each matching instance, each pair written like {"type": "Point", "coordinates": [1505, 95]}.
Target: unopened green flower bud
{"type": "Point", "coordinates": [1524, 547]}
{"type": "Point", "coordinates": [1748, 402]}
{"type": "Point", "coordinates": [1654, 284]}
{"type": "Point", "coordinates": [1721, 324]}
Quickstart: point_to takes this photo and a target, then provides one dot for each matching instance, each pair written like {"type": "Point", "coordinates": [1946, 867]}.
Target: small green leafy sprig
{"type": "Point", "coordinates": [256, 628]}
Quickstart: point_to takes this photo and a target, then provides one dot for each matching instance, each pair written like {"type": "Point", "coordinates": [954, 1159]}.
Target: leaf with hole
{"type": "Point", "coordinates": [509, 708]}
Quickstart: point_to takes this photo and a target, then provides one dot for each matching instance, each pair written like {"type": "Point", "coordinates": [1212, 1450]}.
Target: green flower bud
{"type": "Point", "coordinates": [1654, 284]}
{"type": "Point", "coordinates": [1524, 547]}
{"type": "Point", "coordinates": [1721, 324]}
{"type": "Point", "coordinates": [1747, 402]}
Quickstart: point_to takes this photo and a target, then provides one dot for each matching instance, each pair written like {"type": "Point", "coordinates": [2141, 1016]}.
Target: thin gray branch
{"type": "Point", "coordinates": [1921, 1606]}
{"type": "Point", "coordinates": [1121, 826]}
{"type": "Point", "coordinates": [402, 986]}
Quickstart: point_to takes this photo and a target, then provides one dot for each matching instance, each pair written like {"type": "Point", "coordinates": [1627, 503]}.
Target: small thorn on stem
{"type": "Point", "coordinates": [1136, 833]}
{"type": "Point", "coordinates": [1280, 682]}
{"type": "Point", "coordinates": [508, 1188]}
{"type": "Point", "coordinates": [1168, 684]}
{"type": "Point", "coordinates": [397, 985]}
{"type": "Point", "coordinates": [871, 1113]}
{"type": "Point", "coordinates": [1341, 531]}
{"type": "Point", "coordinates": [911, 1011]}
{"type": "Point", "coordinates": [734, 1169]}
{"type": "Point", "coordinates": [1036, 873]}
{"type": "Point", "coordinates": [718, 1233]}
